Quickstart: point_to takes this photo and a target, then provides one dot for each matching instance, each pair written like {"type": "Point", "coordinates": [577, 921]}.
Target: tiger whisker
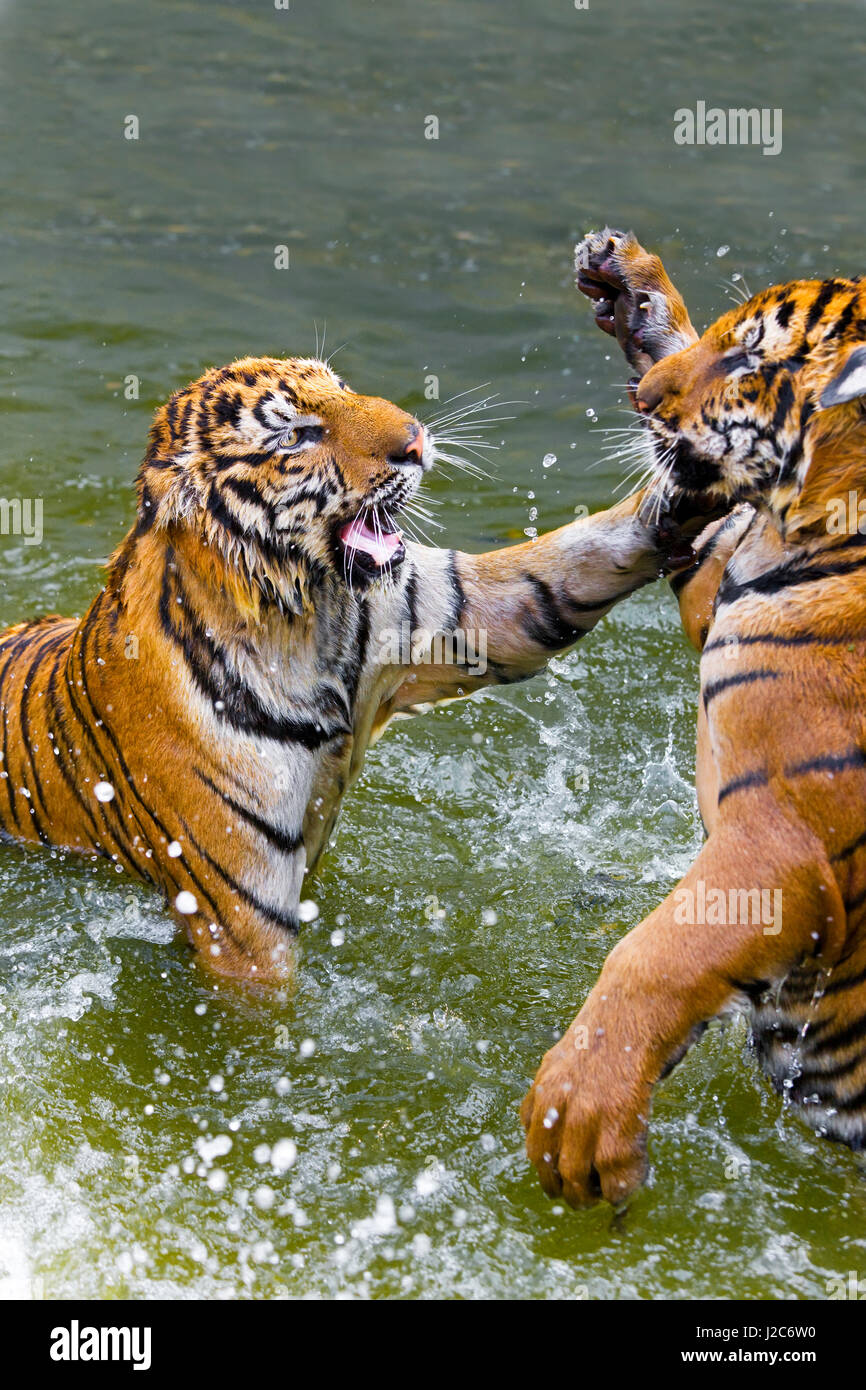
{"type": "Point", "coordinates": [465, 465]}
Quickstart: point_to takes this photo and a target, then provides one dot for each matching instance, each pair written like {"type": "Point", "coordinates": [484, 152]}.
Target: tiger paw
{"type": "Point", "coordinates": [598, 274]}
{"type": "Point", "coordinates": [678, 520]}
{"type": "Point", "coordinates": [632, 296]}
{"type": "Point", "coordinates": [586, 1124]}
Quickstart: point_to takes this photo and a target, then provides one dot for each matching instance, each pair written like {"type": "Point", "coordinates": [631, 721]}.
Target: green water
{"type": "Point", "coordinates": [476, 881]}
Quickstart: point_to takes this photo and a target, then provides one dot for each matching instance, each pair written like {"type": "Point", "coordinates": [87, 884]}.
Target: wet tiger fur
{"type": "Point", "coordinates": [766, 411]}
{"type": "Point", "coordinates": [201, 723]}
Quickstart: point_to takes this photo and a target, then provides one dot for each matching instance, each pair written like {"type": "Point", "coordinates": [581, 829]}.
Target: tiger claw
{"type": "Point", "coordinates": [597, 274]}
{"type": "Point", "coordinates": [633, 299]}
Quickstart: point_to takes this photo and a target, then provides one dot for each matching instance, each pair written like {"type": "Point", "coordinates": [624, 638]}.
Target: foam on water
{"type": "Point", "coordinates": [144, 1105]}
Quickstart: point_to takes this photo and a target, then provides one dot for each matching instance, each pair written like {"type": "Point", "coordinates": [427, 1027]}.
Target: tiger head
{"type": "Point", "coordinates": [766, 407]}
{"type": "Point", "coordinates": [286, 472]}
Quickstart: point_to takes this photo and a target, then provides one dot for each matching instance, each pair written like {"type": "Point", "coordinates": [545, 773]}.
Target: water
{"type": "Point", "coordinates": [495, 850]}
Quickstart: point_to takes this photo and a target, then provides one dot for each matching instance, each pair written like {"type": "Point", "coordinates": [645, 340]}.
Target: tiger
{"type": "Point", "coordinates": [764, 415]}
{"type": "Point", "coordinates": [200, 725]}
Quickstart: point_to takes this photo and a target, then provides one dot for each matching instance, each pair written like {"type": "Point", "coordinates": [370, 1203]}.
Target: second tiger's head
{"type": "Point", "coordinates": [285, 470]}
{"type": "Point", "coordinates": [768, 406]}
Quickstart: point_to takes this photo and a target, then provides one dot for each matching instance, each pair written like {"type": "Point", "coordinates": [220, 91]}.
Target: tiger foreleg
{"type": "Point", "coordinates": [518, 606]}
{"type": "Point", "coordinates": [587, 1113]}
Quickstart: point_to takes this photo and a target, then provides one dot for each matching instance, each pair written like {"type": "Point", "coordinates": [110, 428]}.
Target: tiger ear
{"type": "Point", "coordinates": [848, 384]}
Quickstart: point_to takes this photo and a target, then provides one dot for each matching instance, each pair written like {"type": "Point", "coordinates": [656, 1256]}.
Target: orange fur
{"type": "Point", "coordinates": [222, 689]}
{"type": "Point", "coordinates": [764, 411]}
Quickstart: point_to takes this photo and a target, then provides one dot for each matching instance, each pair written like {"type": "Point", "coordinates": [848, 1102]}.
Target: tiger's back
{"type": "Point", "coordinates": [44, 739]}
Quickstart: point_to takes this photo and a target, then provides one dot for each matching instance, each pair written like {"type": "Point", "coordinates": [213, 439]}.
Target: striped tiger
{"type": "Point", "coordinates": [765, 411]}
{"type": "Point", "coordinates": [201, 723]}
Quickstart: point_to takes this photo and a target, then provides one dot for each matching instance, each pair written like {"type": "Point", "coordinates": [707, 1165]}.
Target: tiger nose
{"type": "Point", "coordinates": [413, 449]}
{"type": "Point", "coordinates": [649, 393]}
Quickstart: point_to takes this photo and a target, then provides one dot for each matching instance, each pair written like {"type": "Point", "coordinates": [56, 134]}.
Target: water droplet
{"type": "Point", "coordinates": [283, 1155]}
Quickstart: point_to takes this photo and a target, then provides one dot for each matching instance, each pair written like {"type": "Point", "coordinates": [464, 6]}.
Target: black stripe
{"type": "Point", "coordinates": [220, 512]}
{"type": "Point", "coordinates": [753, 989]}
{"type": "Point", "coordinates": [112, 808]}
{"type": "Point", "coordinates": [843, 322]}
{"type": "Point", "coordinates": [241, 707]}
{"type": "Point", "coordinates": [852, 904]}
{"type": "Point", "coordinates": [319, 494]}
{"type": "Point", "coordinates": [147, 509]}
{"type": "Point", "coordinates": [846, 1104]}
{"type": "Point", "coordinates": [167, 883]}
{"type": "Point", "coordinates": [10, 790]}
{"type": "Point", "coordinates": [126, 776]}
{"type": "Point", "coordinates": [12, 647]}
{"type": "Point", "coordinates": [280, 839]}
{"type": "Point", "coordinates": [714, 688]}
{"type": "Point", "coordinates": [459, 594]}
{"type": "Point", "coordinates": [410, 598]}
{"type": "Point", "coordinates": [24, 720]}
{"type": "Point", "coordinates": [854, 1033]}
{"type": "Point", "coordinates": [751, 779]}
{"type": "Point", "coordinates": [849, 849]}
{"type": "Point", "coordinates": [784, 404]}
{"type": "Point", "coordinates": [829, 762]}
{"type": "Point", "coordinates": [809, 1069]}
{"type": "Point", "coordinates": [72, 782]}
{"type": "Point", "coordinates": [287, 920]}
{"type": "Point", "coordinates": [547, 625]}
{"type": "Point", "coordinates": [171, 410]}
{"type": "Point", "coordinates": [784, 577]}
{"type": "Point", "coordinates": [246, 491]}
{"type": "Point", "coordinates": [826, 293]}
{"type": "Point", "coordinates": [227, 409]}
{"type": "Point", "coordinates": [350, 671]}
{"type": "Point", "coordinates": [679, 581]}
{"type": "Point", "coordinates": [850, 982]}
{"type": "Point", "coordinates": [772, 639]}
{"type": "Point", "coordinates": [785, 1030]}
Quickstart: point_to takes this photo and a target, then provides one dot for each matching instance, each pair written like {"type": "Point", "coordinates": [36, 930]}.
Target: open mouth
{"type": "Point", "coordinates": [370, 545]}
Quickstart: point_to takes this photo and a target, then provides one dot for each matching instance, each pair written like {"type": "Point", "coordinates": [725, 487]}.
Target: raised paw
{"type": "Point", "coordinates": [598, 275]}
{"type": "Point", "coordinates": [632, 297]}
{"type": "Point", "coordinates": [586, 1127]}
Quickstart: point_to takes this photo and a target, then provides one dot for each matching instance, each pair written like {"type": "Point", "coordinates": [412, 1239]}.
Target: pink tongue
{"type": "Point", "coordinates": [358, 535]}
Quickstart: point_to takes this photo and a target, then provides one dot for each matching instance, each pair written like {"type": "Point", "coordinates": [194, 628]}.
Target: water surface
{"type": "Point", "coordinates": [495, 850]}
